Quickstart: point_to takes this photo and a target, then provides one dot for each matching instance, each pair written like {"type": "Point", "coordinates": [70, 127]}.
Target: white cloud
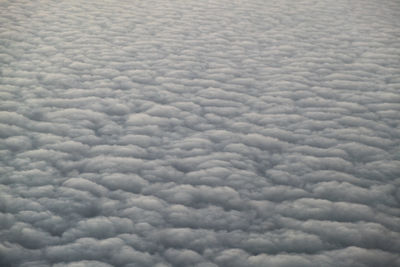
{"type": "Point", "coordinates": [223, 133]}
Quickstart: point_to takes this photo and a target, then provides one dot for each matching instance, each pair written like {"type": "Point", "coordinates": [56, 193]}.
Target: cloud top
{"type": "Point", "coordinates": [224, 133]}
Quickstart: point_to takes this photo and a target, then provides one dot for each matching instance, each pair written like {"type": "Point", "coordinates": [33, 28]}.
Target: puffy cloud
{"type": "Point", "coordinates": [223, 133]}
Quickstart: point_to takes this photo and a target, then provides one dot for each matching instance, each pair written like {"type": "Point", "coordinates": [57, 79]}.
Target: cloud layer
{"type": "Point", "coordinates": [199, 133]}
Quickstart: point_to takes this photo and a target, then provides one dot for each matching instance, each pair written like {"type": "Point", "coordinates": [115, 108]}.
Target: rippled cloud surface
{"type": "Point", "coordinates": [199, 133]}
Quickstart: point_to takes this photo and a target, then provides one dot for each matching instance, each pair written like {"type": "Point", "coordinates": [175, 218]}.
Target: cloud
{"type": "Point", "coordinates": [224, 133]}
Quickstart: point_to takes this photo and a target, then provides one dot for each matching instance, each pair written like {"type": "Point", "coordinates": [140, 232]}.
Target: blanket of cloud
{"type": "Point", "coordinates": [200, 133]}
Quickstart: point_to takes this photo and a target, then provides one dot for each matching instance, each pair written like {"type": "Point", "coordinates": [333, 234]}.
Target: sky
{"type": "Point", "coordinates": [199, 133]}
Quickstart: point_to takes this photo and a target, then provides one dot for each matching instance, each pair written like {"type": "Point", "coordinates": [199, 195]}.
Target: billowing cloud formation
{"type": "Point", "coordinates": [199, 133]}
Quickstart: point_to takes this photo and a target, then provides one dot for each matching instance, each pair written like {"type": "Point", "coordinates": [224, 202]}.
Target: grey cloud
{"type": "Point", "coordinates": [83, 264]}
{"type": "Point", "coordinates": [223, 133]}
